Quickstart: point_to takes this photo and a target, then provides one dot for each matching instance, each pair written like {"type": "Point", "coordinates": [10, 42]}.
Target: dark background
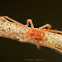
{"type": "Point", "coordinates": [41, 12]}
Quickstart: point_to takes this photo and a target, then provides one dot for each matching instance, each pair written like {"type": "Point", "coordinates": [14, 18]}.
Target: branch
{"type": "Point", "coordinates": [6, 26]}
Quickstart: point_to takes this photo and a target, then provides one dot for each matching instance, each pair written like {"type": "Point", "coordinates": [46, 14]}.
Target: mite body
{"type": "Point", "coordinates": [37, 33]}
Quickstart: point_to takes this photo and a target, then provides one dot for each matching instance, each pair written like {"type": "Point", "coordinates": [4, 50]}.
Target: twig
{"type": "Point", "coordinates": [6, 26]}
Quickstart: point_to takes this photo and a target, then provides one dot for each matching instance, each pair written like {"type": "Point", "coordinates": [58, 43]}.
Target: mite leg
{"type": "Point", "coordinates": [14, 21]}
{"type": "Point", "coordinates": [23, 40]}
{"type": "Point", "coordinates": [30, 21]}
{"type": "Point", "coordinates": [56, 31]}
{"type": "Point", "coordinates": [51, 46]}
{"type": "Point", "coordinates": [13, 33]}
{"type": "Point", "coordinates": [37, 44]}
{"type": "Point", "coordinates": [47, 25]}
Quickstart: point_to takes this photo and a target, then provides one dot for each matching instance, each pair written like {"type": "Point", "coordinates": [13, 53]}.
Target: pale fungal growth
{"type": "Point", "coordinates": [50, 38]}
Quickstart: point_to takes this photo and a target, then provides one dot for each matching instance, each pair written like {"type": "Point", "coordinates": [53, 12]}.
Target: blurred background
{"type": "Point", "coordinates": [41, 12]}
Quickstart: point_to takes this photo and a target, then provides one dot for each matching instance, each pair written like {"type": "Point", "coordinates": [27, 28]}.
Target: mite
{"type": "Point", "coordinates": [37, 33]}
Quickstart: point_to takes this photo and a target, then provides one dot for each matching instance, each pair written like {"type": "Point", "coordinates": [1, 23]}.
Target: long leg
{"type": "Point", "coordinates": [37, 44]}
{"type": "Point", "coordinates": [14, 21]}
{"type": "Point", "coordinates": [27, 40]}
{"type": "Point", "coordinates": [56, 31]}
{"type": "Point", "coordinates": [30, 21]}
{"type": "Point", "coordinates": [51, 47]}
{"type": "Point", "coordinates": [23, 40]}
{"type": "Point", "coordinates": [47, 25]}
{"type": "Point", "coordinates": [13, 33]}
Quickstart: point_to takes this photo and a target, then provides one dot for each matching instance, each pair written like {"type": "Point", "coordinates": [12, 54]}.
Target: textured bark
{"type": "Point", "coordinates": [6, 26]}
